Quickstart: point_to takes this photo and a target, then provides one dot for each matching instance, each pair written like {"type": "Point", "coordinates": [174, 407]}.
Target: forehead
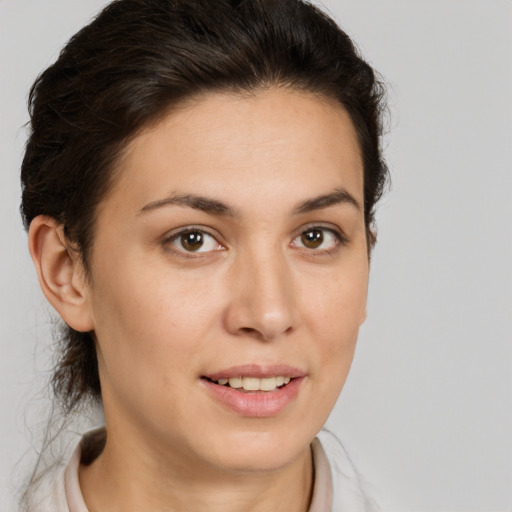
{"type": "Point", "coordinates": [244, 147]}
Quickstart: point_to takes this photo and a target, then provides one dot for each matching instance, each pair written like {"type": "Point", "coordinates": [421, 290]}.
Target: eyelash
{"type": "Point", "coordinates": [339, 239]}
{"type": "Point", "coordinates": [175, 236]}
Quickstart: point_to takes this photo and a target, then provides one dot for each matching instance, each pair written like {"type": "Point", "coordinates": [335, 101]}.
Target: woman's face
{"type": "Point", "coordinates": [232, 246]}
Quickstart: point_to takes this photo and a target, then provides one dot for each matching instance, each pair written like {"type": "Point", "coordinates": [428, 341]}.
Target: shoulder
{"type": "Point", "coordinates": [350, 490]}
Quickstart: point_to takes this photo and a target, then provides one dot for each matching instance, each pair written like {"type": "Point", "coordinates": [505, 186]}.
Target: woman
{"type": "Point", "coordinates": [199, 190]}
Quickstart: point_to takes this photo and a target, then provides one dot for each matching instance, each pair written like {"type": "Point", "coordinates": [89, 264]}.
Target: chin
{"type": "Point", "coordinates": [253, 451]}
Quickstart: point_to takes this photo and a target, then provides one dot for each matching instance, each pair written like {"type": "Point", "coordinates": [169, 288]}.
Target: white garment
{"type": "Point", "coordinates": [337, 486]}
{"type": "Point", "coordinates": [350, 493]}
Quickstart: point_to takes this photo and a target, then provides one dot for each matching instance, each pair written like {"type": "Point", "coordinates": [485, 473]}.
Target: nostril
{"type": "Point", "coordinates": [255, 317]}
{"type": "Point", "coordinates": [263, 334]}
{"type": "Point", "coordinates": [252, 333]}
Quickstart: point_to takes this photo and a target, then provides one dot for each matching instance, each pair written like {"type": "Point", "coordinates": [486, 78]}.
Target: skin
{"type": "Point", "coordinates": [254, 294]}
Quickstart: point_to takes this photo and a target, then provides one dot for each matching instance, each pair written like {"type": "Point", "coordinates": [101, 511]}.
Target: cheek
{"type": "Point", "coordinates": [338, 307]}
{"type": "Point", "coordinates": [151, 332]}
{"type": "Point", "coordinates": [334, 315]}
{"type": "Point", "coordinates": [150, 316]}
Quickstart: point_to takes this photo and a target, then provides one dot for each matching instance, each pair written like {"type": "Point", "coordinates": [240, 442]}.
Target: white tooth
{"type": "Point", "coordinates": [287, 379]}
{"type": "Point", "coordinates": [279, 381]}
{"type": "Point", "coordinates": [235, 382]}
{"type": "Point", "coordinates": [268, 384]}
{"type": "Point", "coordinates": [251, 383]}
{"type": "Point", "coordinates": [222, 382]}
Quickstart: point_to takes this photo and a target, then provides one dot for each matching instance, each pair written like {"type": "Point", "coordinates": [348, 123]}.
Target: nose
{"type": "Point", "coordinates": [262, 300]}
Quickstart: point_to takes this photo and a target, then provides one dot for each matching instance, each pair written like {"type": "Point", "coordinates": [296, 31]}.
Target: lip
{"type": "Point", "coordinates": [259, 371]}
{"type": "Point", "coordinates": [257, 404]}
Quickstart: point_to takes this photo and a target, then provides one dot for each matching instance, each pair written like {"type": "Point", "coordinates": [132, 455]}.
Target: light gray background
{"type": "Point", "coordinates": [427, 410]}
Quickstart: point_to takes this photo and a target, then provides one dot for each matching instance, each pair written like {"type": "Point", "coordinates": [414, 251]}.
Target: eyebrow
{"type": "Point", "coordinates": [338, 196]}
{"type": "Point", "coordinates": [204, 204]}
{"type": "Point", "coordinates": [215, 207]}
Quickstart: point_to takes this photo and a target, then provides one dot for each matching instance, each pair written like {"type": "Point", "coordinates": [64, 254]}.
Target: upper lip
{"type": "Point", "coordinates": [258, 371]}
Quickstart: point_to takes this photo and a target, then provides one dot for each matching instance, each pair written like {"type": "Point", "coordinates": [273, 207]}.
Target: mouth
{"type": "Point", "coordinates": [248, 384]}
{"type": "Point", "coordinates": [255, 391]}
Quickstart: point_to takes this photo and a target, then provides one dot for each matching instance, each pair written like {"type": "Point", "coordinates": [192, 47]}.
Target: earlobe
{"type": "Point", "coordinates": [60, 272]}
{"type": "Point", "coordinates": [363, 316]}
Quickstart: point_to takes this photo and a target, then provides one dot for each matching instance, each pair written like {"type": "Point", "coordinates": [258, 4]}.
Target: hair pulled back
{"type": "Point", "coordinates": [135, 61]}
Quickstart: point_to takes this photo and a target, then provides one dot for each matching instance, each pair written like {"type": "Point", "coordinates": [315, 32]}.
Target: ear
{"type": "Point", "coordinates": [362, 318]}
{"type": "Point", "coordinates": [60, 272]}
{"type": "Point", "coordinates": [371, 239]}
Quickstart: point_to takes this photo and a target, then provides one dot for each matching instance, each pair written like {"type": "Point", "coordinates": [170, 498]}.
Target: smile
{"type": "Point", "coordinates": [251, 384]}
{"type": "Point", "coordinates": [253, 390]}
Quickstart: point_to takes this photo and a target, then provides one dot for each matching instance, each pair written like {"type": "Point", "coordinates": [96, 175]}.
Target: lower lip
{"type": "Point", "coordinates": [258, 404]}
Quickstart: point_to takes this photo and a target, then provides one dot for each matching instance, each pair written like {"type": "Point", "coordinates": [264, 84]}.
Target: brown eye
{"type": "Point", "coordinates": [192, 241]}
{"type": "Point", "coordinates": [313, 238]}
{"type": "Point", "coordinates": [319, 239]}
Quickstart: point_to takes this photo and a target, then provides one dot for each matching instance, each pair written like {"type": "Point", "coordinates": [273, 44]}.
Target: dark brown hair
{"type": "Point", "coordinates": [135, 61]}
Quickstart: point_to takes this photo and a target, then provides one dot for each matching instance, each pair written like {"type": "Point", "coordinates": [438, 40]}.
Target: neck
{"type": "Point", "coordinates": [142, 480]}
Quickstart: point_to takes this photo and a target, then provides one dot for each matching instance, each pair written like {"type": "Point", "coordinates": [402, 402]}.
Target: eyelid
{"type": "Point", "coordinates": [321, 225]}
{"type": "Point", "coordinates": [333, 229]}
{"type": "Point", "coordinates": [191, 228]}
